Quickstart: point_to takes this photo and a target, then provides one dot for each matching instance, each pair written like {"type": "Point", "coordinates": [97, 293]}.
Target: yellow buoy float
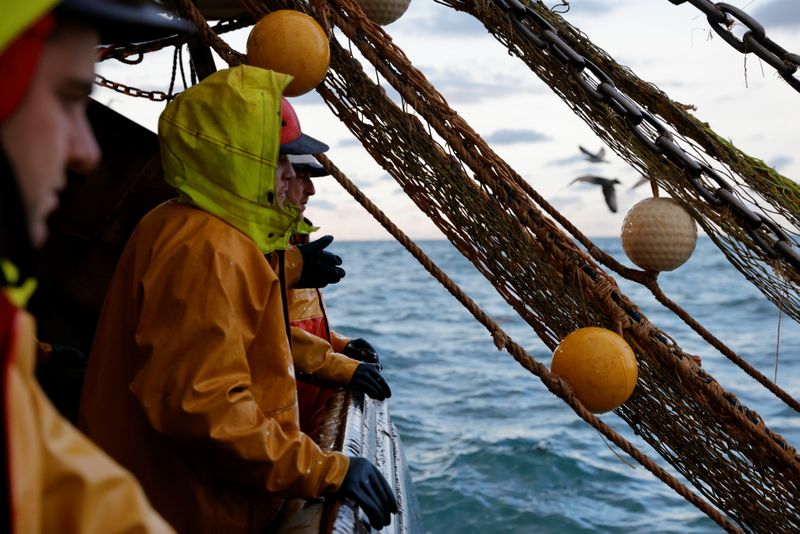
{"type": "Point", "coordinates": [293, 43]}
{"type": "Point", "coordinates": [658, 234]}
{"type": "Point", "coordinates": [599, 365]}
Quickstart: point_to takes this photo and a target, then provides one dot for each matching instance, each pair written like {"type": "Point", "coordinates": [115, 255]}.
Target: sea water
{"type": "Point", "coordinates": [490, 449]}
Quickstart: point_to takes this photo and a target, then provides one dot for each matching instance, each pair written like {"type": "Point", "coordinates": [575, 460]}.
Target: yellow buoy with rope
{"type": "Point", "coordinates": [293, 43]}
{"type": "Point", "coordinates": [599, 365]}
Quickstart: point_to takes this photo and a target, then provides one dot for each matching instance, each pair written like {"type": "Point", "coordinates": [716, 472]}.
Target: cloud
{"type": "Point", "coordinates": [480, 82]}
{"type": "Point", "coordinates": [779, 13]}
{"type": "Point", "coordinates": [322, 205]}
{"type": "Point", "coordinates": [443, 21]}
{"type": "Point", "coordinates": [451, 23]}
{"type": "Point", "coordinates": [513, 136]}
{"type": "Point", "coordinates": [440, 21]}
{"type": "Point", "coordinates": [779, 162]}
{"type": "Point", "coordinates": [562, 201]}
{"type": "Point", "coordinates": [569, 160]}
{"type": "Point", "coordinates": [347, 142]}
{"type": "Point", "coordinates": [589, 7]}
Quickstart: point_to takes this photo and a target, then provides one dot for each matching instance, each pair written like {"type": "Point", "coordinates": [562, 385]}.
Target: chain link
{"type": "Point", "coordinates": [155, 96]}
{"type": "Point", "coordinates": [652, 132]}
{"type": "Point", "coordinates": [722, 17]}
{"type": "Point", "coordinates": [121, 53]}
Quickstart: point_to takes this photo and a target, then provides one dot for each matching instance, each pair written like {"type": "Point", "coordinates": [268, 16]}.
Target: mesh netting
{"type": "Point", "coordinates": [757, 184]}
{"type": "Point", "coordinates": [518, 242]}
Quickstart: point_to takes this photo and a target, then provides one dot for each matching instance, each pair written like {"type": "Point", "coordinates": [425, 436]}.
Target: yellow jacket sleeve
{"type": "Point", "coordinates": [338, 341]}
{"type": "Point", "coordinates": [198, 317]}
{"type": "Point", "coordinates": [316, 361]}
{"type": "Point", "coordinates": [60, 481]}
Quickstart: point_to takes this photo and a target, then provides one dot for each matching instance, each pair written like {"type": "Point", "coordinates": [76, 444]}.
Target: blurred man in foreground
{"type": "Point", "coordinates": [53, 479]}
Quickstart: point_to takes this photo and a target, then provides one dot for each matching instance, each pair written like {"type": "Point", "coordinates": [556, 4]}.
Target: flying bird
{"type": "Point", "coordinates": [594, 157]}
{"type": "Point", "coordinates": [641, 181]}
{"type": "Point", "coordinates": [608, 188]}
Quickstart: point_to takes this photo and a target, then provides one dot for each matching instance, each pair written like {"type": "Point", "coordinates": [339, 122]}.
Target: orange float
{"type": "Point", "coordinates": [599, 365]}
{"type": "Point", "coordinates": [293, 43]}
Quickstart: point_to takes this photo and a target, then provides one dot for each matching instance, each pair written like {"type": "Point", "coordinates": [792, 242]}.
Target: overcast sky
{"type": "Point", "coordinates": [670, 46]}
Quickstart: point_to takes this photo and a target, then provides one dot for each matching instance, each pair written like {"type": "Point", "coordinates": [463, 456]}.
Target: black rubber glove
{"type": "Point", "coordinates": [320, 268]}
{"type": "Point", "coordinates": [361, 350]}
{"type": "Point", "coordinates": [368, 379]}
{"type": "Point", "coordinates": [366, 485]}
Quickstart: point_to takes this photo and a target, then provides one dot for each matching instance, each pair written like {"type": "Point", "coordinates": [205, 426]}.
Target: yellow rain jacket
{"type": "Point", "coordinates": [190, 381]}
{"type": "Point", "coordinates": [307, 315]}
{"type": "Point", "coordinates": [59, 481]}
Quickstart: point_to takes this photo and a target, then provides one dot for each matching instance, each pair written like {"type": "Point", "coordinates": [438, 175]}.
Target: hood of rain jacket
{"type": "Point", "coordinates": [219, 145]}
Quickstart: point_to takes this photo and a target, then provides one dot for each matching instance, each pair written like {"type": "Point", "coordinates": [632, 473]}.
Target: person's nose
{"type": "Point", "coordinates": [84, 152]}
{"type": "Point", "coordinates": [310, 189]}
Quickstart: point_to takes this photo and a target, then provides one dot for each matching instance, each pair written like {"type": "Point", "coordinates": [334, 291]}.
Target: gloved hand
{"type": "Point", "coordinates": [361, 350]}
{"type": "Point", "coordinates": [320, 268]}
{"type": "Point", "coordinates": [368, 379]}
{"type": "Point", "coordinates": [366, 485]}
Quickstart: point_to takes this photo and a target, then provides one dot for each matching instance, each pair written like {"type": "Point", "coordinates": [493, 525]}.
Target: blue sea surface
{"type": "Point", "coordinates": [490, 449]}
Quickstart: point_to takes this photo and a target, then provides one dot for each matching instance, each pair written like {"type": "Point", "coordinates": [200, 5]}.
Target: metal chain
{"type": "Point", "coordinates": [121, 53]}
{"type": "Point", "coordinates": [769, 236]}
{"type": "Point", "coordinates": [722, 17]}
{"type": "Point", "coordinates": [155, 96]}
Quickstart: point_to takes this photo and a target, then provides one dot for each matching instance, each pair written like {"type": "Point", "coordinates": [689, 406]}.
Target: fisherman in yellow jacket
{"type": "Point", "coordinates": [190, 381]}
{"type": "Point", "coordinates": [53, 478]}
{"type": "Point", "coordinates": [307, 311]}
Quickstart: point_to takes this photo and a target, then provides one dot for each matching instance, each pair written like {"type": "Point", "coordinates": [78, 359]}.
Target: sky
{"type": "Point", "coordinates": [524, 121]}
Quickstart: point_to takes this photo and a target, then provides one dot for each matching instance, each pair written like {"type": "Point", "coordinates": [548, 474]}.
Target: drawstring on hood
{"type": "Point", "coordinates": [219, 148]}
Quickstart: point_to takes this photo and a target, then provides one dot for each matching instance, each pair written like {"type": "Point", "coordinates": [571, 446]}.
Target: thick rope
{"type": "Point", "coordinates": [696, 381]}
{"type": "Point", "coordinates": [723, 448]}
{"type": "Point", "coordinates": [188, 10]}
{"type": "Point", "coordinates": [780, 194]}
{"type": "Point", "coordinates": [556, 385]}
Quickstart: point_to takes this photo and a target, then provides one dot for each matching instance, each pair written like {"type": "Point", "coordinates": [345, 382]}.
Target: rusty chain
{"type": "Point", "coordinates": [123, 52]}
{"type": "Point", "coordinates": [769, 236]}
{"type": "Point", "coordinates": [155, 96]}
{"type": "Point", "coordinates": [722, 17]}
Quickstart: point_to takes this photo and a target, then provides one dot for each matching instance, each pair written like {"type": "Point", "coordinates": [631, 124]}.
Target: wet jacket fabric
{"type": "Point", "coordinates": [190, 382]}
{"type": "Point", "coordinates": [59, 481]}
{"type": "Point", "coordinates": [223, 164]}
{"type": "Point", "coordinates": [307, 313]}
{"type": "Point", "coordinates": [314, 357]}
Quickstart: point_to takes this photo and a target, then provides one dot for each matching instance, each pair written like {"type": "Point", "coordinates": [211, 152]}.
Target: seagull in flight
{"type": "Point", "coordinates": [608, 188]}
{"type": "Point", "coordinates": [594, 157]}
{"type": "Point", "coordinates": [641, 181]}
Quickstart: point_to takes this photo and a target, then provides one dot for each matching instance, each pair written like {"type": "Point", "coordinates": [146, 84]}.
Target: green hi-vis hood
{"type": "Point", "coordinates": [305, 227]}
{"type": "Point", "coordinates": [219, 149]}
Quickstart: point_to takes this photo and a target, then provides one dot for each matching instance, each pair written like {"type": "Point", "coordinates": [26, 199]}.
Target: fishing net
{"type": "Point", "coordinates": [521, 245]}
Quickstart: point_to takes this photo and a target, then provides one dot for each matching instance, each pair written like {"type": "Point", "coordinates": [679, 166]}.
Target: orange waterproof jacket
{"type": "Point", "coordinates": [190, 381]}
{"type": "Point", "coordinates": [58, 480]}
{"type": "Point", "coordinates": [307, 314]}
{"type": "Point", "coordinates": [316, 349]}
{"type": "Point", "coordinates": [306, 307]}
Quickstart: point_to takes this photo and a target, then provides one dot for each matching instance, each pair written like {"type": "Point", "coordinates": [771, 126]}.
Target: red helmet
{"type": "Point", "coordinates": [293, 140]}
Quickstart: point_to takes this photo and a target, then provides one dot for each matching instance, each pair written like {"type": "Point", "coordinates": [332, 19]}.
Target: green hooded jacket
{"type": "Point", "coordinates": [219, 149]}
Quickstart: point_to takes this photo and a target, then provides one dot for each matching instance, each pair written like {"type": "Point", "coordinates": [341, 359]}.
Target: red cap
{"type": "Point", "coordinates": [293, 140]}
{"type": "Point", "coordinates": [18, 63]}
